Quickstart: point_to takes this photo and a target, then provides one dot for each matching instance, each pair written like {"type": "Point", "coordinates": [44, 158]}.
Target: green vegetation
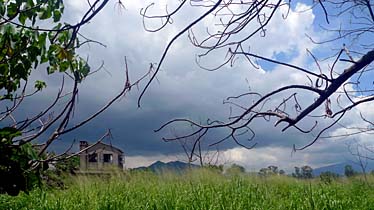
{"type": "Point", "coordinates": [15, 170]}
{"type": "Point", "coordinates": [328, 176]}
{"type": "Point", "coordinates": [26, 44]}
{"type": "Point", "coordinates": [199, 189]}
{"type": "Point", "coordinates": [348, 171]}
{"type": "Point", "coordinates": [32, 33]}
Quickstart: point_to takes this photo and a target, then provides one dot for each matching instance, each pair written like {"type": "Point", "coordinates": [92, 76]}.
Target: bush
{"type": "Point", "coordinates": [16, 164]}
{"type": "Point", "coordinates": [348, 171]}
{"type": "Point", "coordinates": [55, 177]}
{"type": "Point", "coordinates": [328, 176]}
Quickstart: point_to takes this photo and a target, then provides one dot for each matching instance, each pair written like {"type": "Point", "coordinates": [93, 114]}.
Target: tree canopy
{"type": "Point", "coordinates": [33, 36]}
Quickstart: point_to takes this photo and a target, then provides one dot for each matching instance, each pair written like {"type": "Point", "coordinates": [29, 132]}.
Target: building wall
{"type": "Point", "coordinates": [83, 160]}
{"type": "Point", "coordinates": [100, 150]}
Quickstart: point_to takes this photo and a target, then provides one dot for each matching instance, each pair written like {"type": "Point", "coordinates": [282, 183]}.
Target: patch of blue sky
{"type": "Point", "coordinates": [285, 57]}
{"type": "Point", "coordinates": [356, 45]}
{"type": "Point", "coordinates": [288, 56]}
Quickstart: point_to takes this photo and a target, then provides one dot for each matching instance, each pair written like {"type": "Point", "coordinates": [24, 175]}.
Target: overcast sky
{"type": "Point", "coordinates": [183, 90]}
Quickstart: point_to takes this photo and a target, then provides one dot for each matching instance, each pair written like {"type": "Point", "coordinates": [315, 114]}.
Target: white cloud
{"type": "Point", "coordinates": [285, 158]}
{"type": "Point", "coordinates": [255, 159]}
{"type": "Point", "coordinates": [139, 161]}
{"type": "Point", "coordinates": [186, 89]}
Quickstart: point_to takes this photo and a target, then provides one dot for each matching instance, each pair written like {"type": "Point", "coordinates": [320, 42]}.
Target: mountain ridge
{"type": "Point", "coordinates": [159, 166]}
{"type": "Point", "coordinates": [339, 168]}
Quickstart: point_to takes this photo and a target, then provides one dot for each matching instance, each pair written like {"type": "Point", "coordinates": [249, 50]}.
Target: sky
{"type": "Point", "coordinates": [184, 90]}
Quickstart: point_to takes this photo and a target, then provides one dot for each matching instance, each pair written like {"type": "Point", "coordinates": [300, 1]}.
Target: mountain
{"type": "Point", "coordinates": [339, 168]}
{"type": "Point", "coordinates": [159, 166]}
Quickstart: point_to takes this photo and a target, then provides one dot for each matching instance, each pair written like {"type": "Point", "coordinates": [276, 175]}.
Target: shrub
{"type": "Point", "coordinates": [328, 176]}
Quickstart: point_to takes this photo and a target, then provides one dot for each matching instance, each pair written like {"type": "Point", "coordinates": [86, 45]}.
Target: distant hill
{"type": "Point", "coordinates": [339, 168]}
{"type": "Point", "coordinates": [160, 166]}
{"type": "Point", "coordinates": [178, 166]}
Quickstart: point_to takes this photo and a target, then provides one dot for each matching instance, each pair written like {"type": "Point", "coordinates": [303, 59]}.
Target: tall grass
{"type": "Point", "coordinates": [198, 189]}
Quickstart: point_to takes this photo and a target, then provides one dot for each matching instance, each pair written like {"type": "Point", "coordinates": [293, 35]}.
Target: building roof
{"type": "Point", "coordinates": [106, 146]}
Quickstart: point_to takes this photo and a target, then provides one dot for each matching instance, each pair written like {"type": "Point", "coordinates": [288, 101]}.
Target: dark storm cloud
{"type": "Point", "coordinates": [183, 90]}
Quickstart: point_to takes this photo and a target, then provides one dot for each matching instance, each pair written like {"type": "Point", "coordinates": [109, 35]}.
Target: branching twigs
{"type": "Point", "coordinates": [62, 128]}
{"type": "Point", "coordinates": [171, 43]}
{"type": "Point", "coordinates": [60, 122]}
{"type": "Point", "coordinates": [168, 16]}
{"type": "Point", "coordinates": [93, 10]}
{"type": "Point", "coordinates": [339, 81]}
{"type": "Point", "coordinates": [27, 122]}
{"type": "Point", "coordinates": [25, 45]}
{"type": "Point", "coordinates": [242, 122]}
{"type": "Point", "coordinates": [16, 103]}
{"type": "Point", "coordinates": [323, 77]}
{"type": "Point", "coordinates": [126, 88]}
{"type": "Point", "coordinates": [320, 133]}
{"type": "Point", "coordinates": [235, 28]}
{"type": "Point", "coordinates": [65, 155]}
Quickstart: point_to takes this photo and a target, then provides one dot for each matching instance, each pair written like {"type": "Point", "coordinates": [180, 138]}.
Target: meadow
{"type": "Point", "coordinates": [198, 189]}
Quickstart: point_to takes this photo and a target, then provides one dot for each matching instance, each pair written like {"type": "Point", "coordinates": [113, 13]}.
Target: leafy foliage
{"type": "Point", "coordinates": [67, 165]}
{"type": "Point", "coordinates": [15, 165]}
{"type": "Point", "coordinates": [305, 172]}
{"type": "Point", "coordinates": [62, 169]}
{"type": "Point", "coordinates": [235, 169]}
{"type": "Point", "coordinates": [215, 168]}
{"type": "Point", "coordinates": [327, 177]}
{"type": "Point", "coordinates": [25, 45]}
{"type": "Point", "coordinates": [348, 171]}
{"type": "Point", "coordinates": [271, 170]}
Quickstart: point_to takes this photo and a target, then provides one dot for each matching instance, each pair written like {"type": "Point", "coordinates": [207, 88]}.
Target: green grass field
{"type": "Point", "coordinates": [199, 189]}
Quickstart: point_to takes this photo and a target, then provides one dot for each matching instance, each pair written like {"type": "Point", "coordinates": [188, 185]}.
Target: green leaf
{"type": "Point", "coordinates": [64, 66]}
{"type": "Point", "coordinates": [9, 133]}
{"type": "Point", "coordinates": [85, 69]}
{"type": "Point", "coordinates": [34, 51]}
{"type": "Point", "coordinates": [22, 18]}
{"type": "Point", "coordinates": [43, 58]}
{"type": "Point", "coordinates": [45, 14]}
{"type": "Point", "coordinates": [2, 8]}
{"type": "Point", "coordinates": [56, 16]}
{"type": "Point", "coordinates": [30, 3]}
{"type": "Point", "coordinates": [42, 39]}
{"type": "Point", "coordinates": [50, 70]}
{"type": "Point", "coordinates": [29, 151]}
{"type": "Point", "coordinates": [39, 85]}
{"type": "Point", "coordinates": [9, 29]}
{"type": "Point", "coordinates": [12, 10]}
{"type": "Point", "coordinates": [3, 69]}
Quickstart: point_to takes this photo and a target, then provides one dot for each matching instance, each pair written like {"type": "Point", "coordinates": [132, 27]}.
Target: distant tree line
{"type": "Point", "coordinates": [305, 172]}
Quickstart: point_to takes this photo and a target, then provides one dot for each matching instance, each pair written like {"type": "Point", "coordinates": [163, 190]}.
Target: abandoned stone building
{"type": "Point", "coordinates": [99, 156]}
